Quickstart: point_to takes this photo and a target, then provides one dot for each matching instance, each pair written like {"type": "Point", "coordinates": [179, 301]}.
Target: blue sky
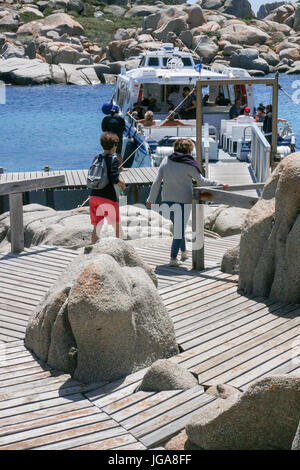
{"type": "Point", "coordinates": [255, 3]}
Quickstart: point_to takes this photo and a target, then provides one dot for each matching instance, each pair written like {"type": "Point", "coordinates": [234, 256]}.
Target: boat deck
{"type": "Point", "coordinates": [224, 337]}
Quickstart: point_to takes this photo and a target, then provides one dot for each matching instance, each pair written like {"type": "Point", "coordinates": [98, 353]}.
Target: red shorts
{"type": "Point", "coordinates": [101, 208]}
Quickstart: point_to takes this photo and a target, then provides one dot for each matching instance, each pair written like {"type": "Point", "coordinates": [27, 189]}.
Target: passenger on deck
{"type": "Point", "coordinates": [246, 118]}
{"type": "Point", "coordinates": [188, 110]}
{"type": "Point", "coordinates": [221, 100]}
{"type": "Point", "coordinates": [148, 120]}
{"type": "Point", "coordinates": [174, 98]}
{"type": "Point", "coordinates": [172, 121]}
{"type": "Point", "coordinates": [268, 123]}
{"type": "Point", "coordinates": [235, 109]}
{"type": "Point", "coordinates": [177, 173]}
{"type": "Point", "coordinates": [260, 114]}
{"type": "Point", "coordinates": [139, 110]}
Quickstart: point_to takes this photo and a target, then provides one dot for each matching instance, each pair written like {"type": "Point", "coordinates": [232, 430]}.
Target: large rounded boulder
{"type": "Point", "coordinates": [269, 247]}
{"type": "Point", "coordinates": [103, 320]}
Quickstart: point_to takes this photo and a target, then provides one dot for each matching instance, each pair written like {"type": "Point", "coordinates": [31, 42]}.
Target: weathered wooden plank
{"type": "Point", "coordinates": [22, 186]}
{"type": "Point", "coordinates": [176, 422]}
{"type": "Point", "coordinates": [86, 435]}
{"type": "Point", "coordinates": [127, 408]}
{"type": "Point", "coordinates": [51, 411]}
{"type": "Point", "coordinates": [36, 424]}
{"type": "Point", "coordinates": [143, 422]}
{"type": "Point", "coordinates": [55, 432]}
{"type": "Point", "coordinates": [122, 442]}
{"type": "Point", "coordinates": [48, 405]}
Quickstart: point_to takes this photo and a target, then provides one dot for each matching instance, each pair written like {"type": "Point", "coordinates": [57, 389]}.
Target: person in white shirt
{"type": "Point", "coordinates": [175, 97]}
{"type": "Point", "coordinates": [246, 118]}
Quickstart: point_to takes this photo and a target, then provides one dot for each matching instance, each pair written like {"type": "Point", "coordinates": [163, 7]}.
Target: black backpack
{"type": "Point", "coordinates": [97, 177]}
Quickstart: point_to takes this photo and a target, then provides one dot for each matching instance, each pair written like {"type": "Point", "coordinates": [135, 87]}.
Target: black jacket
{"type": "Point", "coordinates": [113, 123]}
{"type": "Point", "coordinates": [113, 173]}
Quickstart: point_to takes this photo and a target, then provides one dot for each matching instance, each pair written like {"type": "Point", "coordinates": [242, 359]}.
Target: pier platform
{"type": "Point", "coordinates": [229, 170]}
{"type": "Point", "coordinates": [224, 337]}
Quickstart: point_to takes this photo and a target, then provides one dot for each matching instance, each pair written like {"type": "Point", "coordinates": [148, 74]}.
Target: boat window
{"type": "Point", "coordinates": [143, 61]}
{"type": "Point", "coordinates": [153, 62]}
{"type": "Point", "coordinates": [186, 61]}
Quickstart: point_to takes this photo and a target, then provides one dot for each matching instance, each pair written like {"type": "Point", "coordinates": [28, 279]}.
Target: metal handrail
{"type": "Point", "coordinates": [260, 155]}
{"type": "Point", "coordinates": [206, 149]}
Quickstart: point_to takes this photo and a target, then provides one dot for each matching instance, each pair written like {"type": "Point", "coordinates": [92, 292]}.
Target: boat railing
{"type": "Point", "coordinates": [217, 195]}
{"type": "Point", "coordinates": [206, 148]}
{"type": "Point", "coordinates": [260, 155]}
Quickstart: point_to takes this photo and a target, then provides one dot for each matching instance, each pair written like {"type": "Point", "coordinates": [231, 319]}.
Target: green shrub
{"type": "Point", "coordinates": [28, 16]}
{"type": "Point", "coordinates": [97, 30]}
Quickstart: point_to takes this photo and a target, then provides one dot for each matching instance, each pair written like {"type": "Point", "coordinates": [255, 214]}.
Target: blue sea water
{"type": "Point", "coordinates": [60, 126]}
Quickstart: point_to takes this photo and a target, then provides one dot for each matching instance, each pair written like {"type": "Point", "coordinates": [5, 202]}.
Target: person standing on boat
{"type": "Point", "coordinates": [175, 98]}
{"type": "Point", "coordinates": [104, 202]}
{"type": "Point", "coordinates": [188, 110]}
{"type": "Point", "coordinates": [177, 173]}
{"type": "Point", "coordinates": [260, 114]}
{"type": "Point", "coordinates": [116, 124]}
{"type": "Point", "coordinates": [235, 109]}
{"type": "Point", "coordinates": [268, 123]}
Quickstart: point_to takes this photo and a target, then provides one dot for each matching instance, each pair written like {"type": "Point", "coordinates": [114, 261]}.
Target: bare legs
{"type": "Point", "coordinates": [97, 229]}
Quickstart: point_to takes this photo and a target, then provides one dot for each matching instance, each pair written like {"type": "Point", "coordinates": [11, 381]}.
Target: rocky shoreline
{"type": "Point", "coordinates": [45, 42]}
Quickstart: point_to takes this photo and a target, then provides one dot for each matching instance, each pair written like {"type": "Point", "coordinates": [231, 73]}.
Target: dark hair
{"type": "Point", "coordinates": [186, 88]}
{"type": "Point", "coordinates": [108, 140]}
{"type": "Point", "coordinates": [261, 108]}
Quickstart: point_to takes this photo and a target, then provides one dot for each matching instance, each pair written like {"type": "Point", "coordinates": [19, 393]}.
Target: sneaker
{"type": "Point", "coordinates": [174, 262]}
{"type": "Point", "coordinates": [184, 256]}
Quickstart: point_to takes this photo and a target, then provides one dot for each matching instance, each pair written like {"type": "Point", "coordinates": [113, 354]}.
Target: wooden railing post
{"type": "Point", "coordinates": [15, 190]}
{"type": "Point", "coordinates": [16, 222]}
{"type": "Point", "coordinates": [198, 231]}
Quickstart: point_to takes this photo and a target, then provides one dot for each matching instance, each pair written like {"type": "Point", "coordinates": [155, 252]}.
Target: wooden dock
{"type": "Point", "coordinates": [229, 170]}
{"type": "Point", "coordinates": [224, 338]}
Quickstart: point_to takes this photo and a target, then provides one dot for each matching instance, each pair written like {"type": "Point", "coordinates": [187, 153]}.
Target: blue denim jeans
{"type": "Point", "coordinates": [179, 214]}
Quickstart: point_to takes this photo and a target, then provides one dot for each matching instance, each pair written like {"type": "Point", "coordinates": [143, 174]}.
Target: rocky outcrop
{"type": "Point", "coordinates": [213, 28]}
{"type": "Point", "coordinates": [22, 71]}
{"type": "Point", "coordinates": [73, 229]}
{"type": "Point", "coordinates": [238, 8]}
{"type": "Point", "coordinates": [167, 375]}
{"type": "Point", "coordinates": [195, 17]}
{"type": "Point", "coordinates": [266, 416]}
{"type": "Point", "coordinates": [230, 261]}
{"type": "Point", "coordinates": [226, 221]}
{"type": "Point", "coordinates": [267, 9]}
{"type": "Point", "coordinates": [102, 321]}
{"type": "Point", "coordinates": [243, 34]}
{"type": "Point", "coordinates": [249, 59]}
{"type": "Point", "coordinates": [269, 247]}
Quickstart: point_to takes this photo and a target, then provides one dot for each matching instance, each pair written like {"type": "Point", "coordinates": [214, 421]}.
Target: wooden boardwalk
{"type": "Point", "coordinates": [76, 179]}
{"type": "Point", "coordinates": [224, 338]}
{"type": "Point", "coordinates": [229, 171]}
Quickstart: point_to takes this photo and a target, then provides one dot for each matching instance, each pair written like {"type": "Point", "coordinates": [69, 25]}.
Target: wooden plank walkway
{"type": "Point", "coordinates": [76, 179]}
{"type": "Point", "coordinates": [231, 172]}
{"type": "Point", "coordinates": [223, 337]}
